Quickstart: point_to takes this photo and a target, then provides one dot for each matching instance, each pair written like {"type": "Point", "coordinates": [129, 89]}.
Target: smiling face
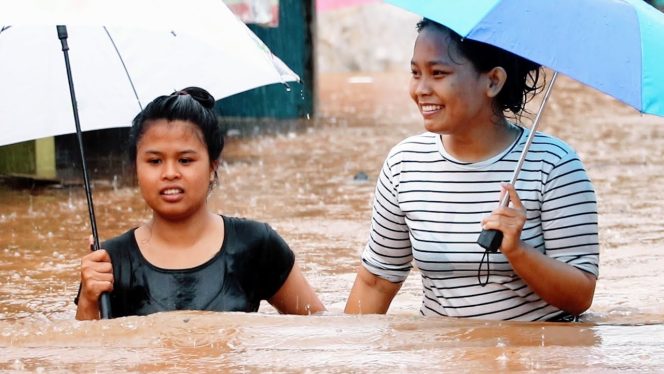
{"type": "Point", "coordinates": [173, 169]}
{"type": "Point", "coordinates": [450, 93]}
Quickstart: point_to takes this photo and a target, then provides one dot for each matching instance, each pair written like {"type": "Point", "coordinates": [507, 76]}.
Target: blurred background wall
{"type": "Point", "coordinates": [371, 37]}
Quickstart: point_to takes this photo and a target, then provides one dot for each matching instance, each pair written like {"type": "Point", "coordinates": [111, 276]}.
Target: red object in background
{"type": "Point", "coordinates": [261, 12]}
{"type": "Point", "coordinates": [324, 5]}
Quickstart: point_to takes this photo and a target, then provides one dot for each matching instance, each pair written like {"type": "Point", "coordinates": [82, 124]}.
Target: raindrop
{"type": "Point", "coordinates": [18, 365]}
{"type": "Point", "coordinates": [70, 203]}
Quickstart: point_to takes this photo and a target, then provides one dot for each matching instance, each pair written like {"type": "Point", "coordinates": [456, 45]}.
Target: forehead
{"type": "Point", "coordinates": [434, 44]}
{"type": "Point", "coordinates": [174, 132]}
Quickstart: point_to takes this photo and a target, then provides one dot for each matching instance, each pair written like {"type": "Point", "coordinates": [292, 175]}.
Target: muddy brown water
{"type": "Point", "coordinates": [302, 183]}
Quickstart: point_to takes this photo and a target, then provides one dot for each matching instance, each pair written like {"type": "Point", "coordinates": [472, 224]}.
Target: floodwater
{"type": "Point", "coordinates": [303, 183]}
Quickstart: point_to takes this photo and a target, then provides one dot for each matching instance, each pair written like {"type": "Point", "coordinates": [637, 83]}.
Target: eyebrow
{"type": "Point", "coordinates": [155, 152]}
{"type": "Point", "coordinates": [434, 62]}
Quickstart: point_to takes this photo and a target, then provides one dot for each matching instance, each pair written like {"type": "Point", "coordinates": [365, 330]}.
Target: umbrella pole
{"type": "Point", "coordinates": [490, 240]}
{"type": "Point", "coordinates": [104, 301]}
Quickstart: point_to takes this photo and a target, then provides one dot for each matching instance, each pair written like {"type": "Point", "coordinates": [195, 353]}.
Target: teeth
{"type": "Point", "coordinates": [172, 191]}
{"type": "Point", "coordinates": [430, 108]}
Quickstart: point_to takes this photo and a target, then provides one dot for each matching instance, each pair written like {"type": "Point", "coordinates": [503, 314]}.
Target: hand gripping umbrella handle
{"type": "Point", "coordinates": [104, 300]}
{"type": "Point", "coordinates": [491, 240]}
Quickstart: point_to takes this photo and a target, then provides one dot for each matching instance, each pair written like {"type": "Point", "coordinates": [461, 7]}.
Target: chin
{"type": "Point", "coordinates": [434, 128]}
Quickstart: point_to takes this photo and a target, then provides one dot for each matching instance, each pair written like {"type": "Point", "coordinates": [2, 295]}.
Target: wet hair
{"type": "Point", "coordinates": [522, 74]}
{"type": "Point", "coordinates": [192, 104]}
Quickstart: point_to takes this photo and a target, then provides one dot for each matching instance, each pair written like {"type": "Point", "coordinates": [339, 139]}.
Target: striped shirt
{"type": "Point", "coordinates": [427, 211]}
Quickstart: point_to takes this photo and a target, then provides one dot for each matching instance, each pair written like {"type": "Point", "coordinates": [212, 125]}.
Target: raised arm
{"type": "Point", "coordinates": [558, 283]}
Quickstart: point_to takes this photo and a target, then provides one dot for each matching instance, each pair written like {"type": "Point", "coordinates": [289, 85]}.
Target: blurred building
{"type": "Point", "coordinates": [285, 26]}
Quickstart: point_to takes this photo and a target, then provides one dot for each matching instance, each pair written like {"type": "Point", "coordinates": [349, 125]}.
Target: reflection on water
{"type": "Point", "coordinates": [303, 182]}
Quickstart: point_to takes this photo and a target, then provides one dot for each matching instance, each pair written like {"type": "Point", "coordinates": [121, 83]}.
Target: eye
{"type": "Point", "coordinates": [186, 160]}
{"type": "Point", "coordinates": [414, 73]}
{"type": "Point", "coordinates": [439, 73]}
{"type": "Point", "coordinates": [154, 161]}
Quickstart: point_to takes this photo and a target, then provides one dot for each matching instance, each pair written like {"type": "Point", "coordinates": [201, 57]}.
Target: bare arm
{"type": "Point", "coordinates": [96, 278]}
{"type": "Point", "coordinates": [370, 294]}
{"type": "Point", "coordinates": [296, 295]}
{"type": "Point", "coordinates": [559, 284]}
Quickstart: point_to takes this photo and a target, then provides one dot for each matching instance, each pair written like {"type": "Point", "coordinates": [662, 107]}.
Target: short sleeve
{"type": "Point", "coordinates": [388, 253]}
{"type": "Point", "coordinates": [569, 215]}
{"type": "Point", "coordinates": [274, 265]}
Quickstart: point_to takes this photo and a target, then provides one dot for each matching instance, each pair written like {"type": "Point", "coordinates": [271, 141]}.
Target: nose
{"type": "Point", "coordinates": [421, 86]}
{"type": "Point", "coordinates": [171, 170]}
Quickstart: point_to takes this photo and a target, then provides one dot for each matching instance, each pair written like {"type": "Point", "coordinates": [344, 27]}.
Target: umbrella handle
{"type": "Point", "coordinates": [104, 300]}
{"type": "Point", "coordinates": [105, 306]}
{"type": "Point", "coordinates": [490, 240]}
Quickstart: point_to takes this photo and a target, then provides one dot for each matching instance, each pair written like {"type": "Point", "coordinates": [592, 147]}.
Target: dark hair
{"type": "Point", "coordinates": [522, 74]}
{"type": "Point", "coordinates": [192, 104]}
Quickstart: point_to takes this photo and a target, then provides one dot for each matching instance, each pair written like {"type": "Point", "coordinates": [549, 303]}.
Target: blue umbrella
{"type": "Point", "coordinates": [615, 46]}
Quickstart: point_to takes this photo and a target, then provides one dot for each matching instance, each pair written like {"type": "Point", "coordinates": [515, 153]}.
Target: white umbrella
{"type": "Point", "coordinates": [123, 54]}
{"type": "Point", "coordinates": [144, 49]}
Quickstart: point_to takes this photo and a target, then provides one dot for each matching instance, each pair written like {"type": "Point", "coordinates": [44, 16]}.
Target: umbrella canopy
{"type": "Point", "coordinates": [123, 54]}
{"type": "Point", "coordinates": [615, 46]}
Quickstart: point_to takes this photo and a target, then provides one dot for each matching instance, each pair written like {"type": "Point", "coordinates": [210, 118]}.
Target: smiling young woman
{"type": "Point", "coordinates": [438, 190]}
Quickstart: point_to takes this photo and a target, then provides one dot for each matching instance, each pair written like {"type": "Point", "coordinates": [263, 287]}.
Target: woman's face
{"type": "Point", "coordinates": [173, 168]}
{"type": "Point", "coordinates": [450, 93]}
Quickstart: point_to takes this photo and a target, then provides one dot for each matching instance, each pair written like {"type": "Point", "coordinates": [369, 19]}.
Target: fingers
{"type": "Point", "coordinates": [96, 274]}
{"type": "Point", "coordinates": [514, 196]}
{"type": "Point", "coordinates": [507, 219]}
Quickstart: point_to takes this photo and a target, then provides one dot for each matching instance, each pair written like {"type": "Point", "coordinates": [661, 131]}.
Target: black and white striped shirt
{"type": "Point", "coordinates": [427, 211]}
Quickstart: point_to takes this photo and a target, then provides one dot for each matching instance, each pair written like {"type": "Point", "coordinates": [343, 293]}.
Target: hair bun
{"type": "Point", "coordinates": [200, 95]}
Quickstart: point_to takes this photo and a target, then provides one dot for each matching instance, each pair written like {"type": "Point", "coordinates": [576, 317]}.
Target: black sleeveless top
{"type": "Point", "coordinates": [251, 265]}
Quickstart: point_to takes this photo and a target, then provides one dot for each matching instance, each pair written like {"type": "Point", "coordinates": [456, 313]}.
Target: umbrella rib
{"type": "Point", "coordinates": [131, 83]}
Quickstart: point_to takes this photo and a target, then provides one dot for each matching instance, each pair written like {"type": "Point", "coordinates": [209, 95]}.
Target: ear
{"type": "Point", "coordinates": [496, 80]}
{"type": "Point", "coordinates": [214, 165]}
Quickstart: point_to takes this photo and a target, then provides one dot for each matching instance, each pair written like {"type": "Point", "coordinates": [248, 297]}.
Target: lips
{"type": "Point", "coordinates": [429, 110]}
{"type": "Point", "coordinates": [172, 194]}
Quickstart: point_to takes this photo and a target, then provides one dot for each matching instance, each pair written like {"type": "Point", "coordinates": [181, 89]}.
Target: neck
{"type": "Point", "coordinates": [181, 231]}
{"type": "Point", "coordinates": [480, 142]}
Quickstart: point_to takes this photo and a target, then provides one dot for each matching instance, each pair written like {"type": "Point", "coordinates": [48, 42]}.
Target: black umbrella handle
{"type": "Point", "coordinates": [490, 240]}
{"type": "Point", "coordinates": [104, 300]}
